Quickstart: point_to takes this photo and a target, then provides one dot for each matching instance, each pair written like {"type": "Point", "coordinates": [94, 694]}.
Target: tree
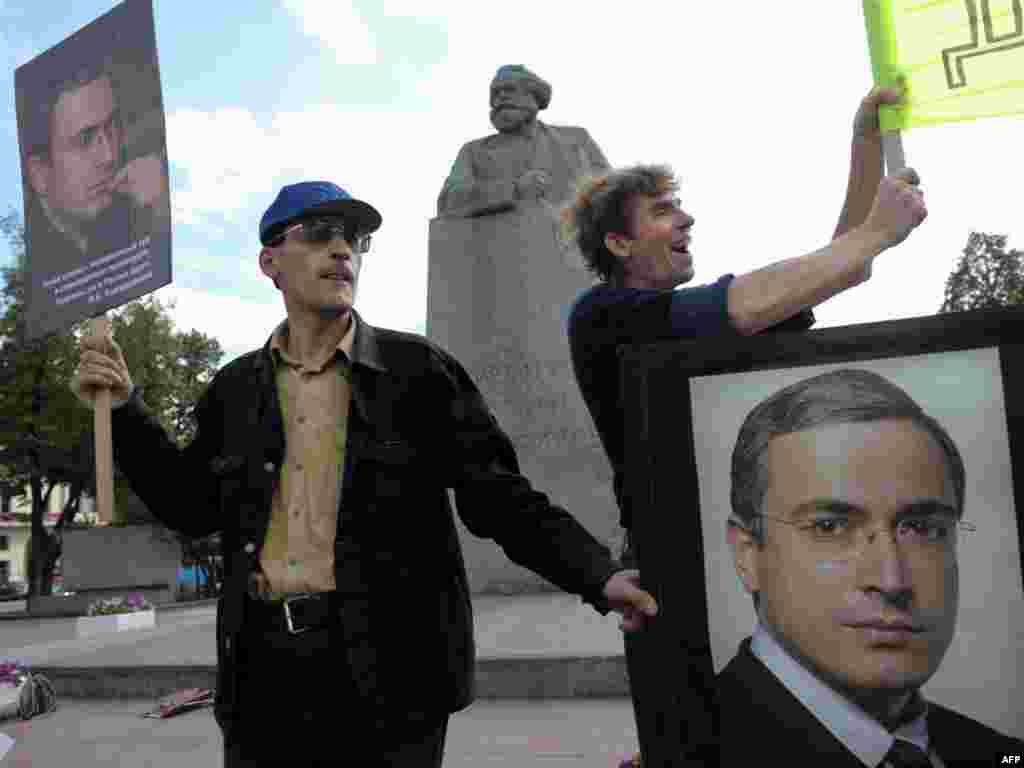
{"type": "Point", "coordinates": [987, 275]}
{"type": "Point", "coordinates": [46, 435]}
{"type": "Point", "coordinates": [41, 426]}
{"type": "Point", "coordinates": [198, 356]}
{"type": "Point", "coordinates": [171, 367]}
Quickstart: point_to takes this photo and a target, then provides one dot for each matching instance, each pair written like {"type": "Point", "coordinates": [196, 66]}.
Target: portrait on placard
{"type": "Point", "coordinates": [821, 456]}
{"type": "Point", "coordinates": [94, 170]}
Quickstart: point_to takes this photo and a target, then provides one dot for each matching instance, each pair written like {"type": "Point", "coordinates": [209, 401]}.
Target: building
{"type": "Point", "coordinates": [15, 530]}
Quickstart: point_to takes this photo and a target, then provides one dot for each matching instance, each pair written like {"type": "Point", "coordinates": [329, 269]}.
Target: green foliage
{"type": "Point", "coordinates": [46, 434]}
{"type": "Point", "coordinates": [987, 276]}
{"type": "Point", "coordinates": [171, 367]}
{"type": "Point", "coordinates": [11, 228]}
{"type": "Point", "coordinates": [40, 420]}
{"type": "Point", "coordinates": [118, 605]}
{"type": "Point", "coordinates": [198, 356]}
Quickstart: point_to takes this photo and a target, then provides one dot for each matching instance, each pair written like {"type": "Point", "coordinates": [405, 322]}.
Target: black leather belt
{"type": "Point", "coordinates": [296, 614]}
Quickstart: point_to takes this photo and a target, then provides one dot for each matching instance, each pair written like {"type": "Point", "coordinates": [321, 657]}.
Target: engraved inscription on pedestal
{"type": "Point", "coordinates": [533, 400]}
{"type": "Point", "coordinates": [537, 403]}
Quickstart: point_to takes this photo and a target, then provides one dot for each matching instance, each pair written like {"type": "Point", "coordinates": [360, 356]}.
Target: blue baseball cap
{"type": "Point", "coordinates": [312, 197]}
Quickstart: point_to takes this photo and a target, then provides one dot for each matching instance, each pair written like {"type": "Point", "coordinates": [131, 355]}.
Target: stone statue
{"type": "Point", "coordinates": [500, 280]}
{"type": "Point", "coordinates": [527, 160]}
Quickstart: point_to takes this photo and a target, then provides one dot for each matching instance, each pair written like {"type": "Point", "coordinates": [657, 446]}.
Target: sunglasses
{"type": "Point", "coordinates": [322, 231]}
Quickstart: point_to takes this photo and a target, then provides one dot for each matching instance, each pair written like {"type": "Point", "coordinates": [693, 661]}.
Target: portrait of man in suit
{"type": "Point", "coordinates": [525, 161]}
{"type": "Point", "coordinates": [87, 195]}
{"type": "Point", "coordinates": [95, 178]}
{"type": "Point", "coordinates": [847, 508]}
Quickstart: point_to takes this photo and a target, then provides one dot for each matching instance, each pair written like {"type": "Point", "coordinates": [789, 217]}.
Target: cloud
{"type": "Point", "coordinates": [216, 150]}
{"type": "Point", "coordinates": [220, 192]}
{"type": "Point", "coordinates": [397, 156]}
{"type": "Point", "coordinates": [757, 130]}
{"type": "Point", "coordinates": [250, 321]}
{"type": "Point", "coordinates": [339, 26]}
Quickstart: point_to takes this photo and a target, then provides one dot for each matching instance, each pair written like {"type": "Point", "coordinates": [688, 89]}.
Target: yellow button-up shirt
{"type": "Point", "coordinates": [298, 552]}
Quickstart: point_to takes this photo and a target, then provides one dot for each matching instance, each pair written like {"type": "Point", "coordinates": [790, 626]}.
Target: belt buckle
{"type": "Point", "coordinates": [288, 621]}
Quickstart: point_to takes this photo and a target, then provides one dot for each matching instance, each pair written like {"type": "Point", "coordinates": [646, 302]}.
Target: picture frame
{"type": "Point", "coordinates": [683, 405]}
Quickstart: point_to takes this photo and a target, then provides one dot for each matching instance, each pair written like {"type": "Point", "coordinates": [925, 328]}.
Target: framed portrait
{"type": "Point", "coordinates": [685, 406]}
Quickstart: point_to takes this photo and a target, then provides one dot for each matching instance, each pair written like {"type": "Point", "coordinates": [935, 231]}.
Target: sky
{"type": "Point", "coordinates": [751, 103]}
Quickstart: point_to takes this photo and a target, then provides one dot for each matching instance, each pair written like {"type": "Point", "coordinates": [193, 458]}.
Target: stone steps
{"type": "Point", "coordinates": [542, 646]}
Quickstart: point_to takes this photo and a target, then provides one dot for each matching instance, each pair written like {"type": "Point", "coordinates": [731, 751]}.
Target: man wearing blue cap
{"type": "Point", "coordinates": [633, 234]}
{"type": "Point", "coordinates": [324, 461]}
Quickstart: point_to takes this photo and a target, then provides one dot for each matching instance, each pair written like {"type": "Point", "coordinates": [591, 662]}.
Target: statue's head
{"type": "Point", "coordinates": [517, 94]}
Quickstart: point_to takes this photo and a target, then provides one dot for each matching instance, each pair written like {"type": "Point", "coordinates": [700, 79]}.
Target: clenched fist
{"type": "Point", "coordinates": [898, 208]}
{"type": "Point", "coordinates": [102, 366]}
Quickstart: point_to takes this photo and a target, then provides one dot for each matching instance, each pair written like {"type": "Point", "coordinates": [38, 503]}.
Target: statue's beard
{"type": "Point", "coordinates": [511, 119]}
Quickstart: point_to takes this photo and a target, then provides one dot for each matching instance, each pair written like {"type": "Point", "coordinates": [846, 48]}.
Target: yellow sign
{"type": "Point", "coordinates": [957, 59]}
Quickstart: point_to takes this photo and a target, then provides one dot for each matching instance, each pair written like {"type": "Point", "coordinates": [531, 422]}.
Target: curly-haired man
{"type": "Point", "coordinates": [633, 234]}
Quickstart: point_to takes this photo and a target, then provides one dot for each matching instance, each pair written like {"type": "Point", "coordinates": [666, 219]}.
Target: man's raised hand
{"type": "Point", "coordinates": [898, 208]}
{"type": "Point", "coordinates": [866, 123]}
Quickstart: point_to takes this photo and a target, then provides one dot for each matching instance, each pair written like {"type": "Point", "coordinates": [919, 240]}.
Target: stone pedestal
{"type": "Point", "coordinates": [120, 557]}
{"type": "Point", "coordinates": [499, 291]}
{"type": "Point", "coordinates": [114, 561]}
{"type": "Point", "coordinates": [77, 603]}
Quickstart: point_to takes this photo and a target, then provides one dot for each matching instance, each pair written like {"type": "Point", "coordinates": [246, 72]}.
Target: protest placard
{"type": "Point", "coordinates": [91, 131]}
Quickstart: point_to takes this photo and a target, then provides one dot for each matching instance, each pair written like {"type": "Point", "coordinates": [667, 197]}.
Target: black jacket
{"type": "Point", "coordinates": [774, 728]}
{"type": "Point", "coordinates": [417, 426]}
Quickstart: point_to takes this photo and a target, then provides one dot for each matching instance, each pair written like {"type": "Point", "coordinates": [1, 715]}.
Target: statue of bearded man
{"type": "Point", "coordinates": [527, 160]}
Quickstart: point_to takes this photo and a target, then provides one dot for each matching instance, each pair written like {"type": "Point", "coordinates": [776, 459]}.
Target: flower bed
{"type": "Point", "coordinates": [115, 614]}
{"type": "Point", "coordinates": [119, 605]}
{"type": "Point", "coordinates": [13, 674]}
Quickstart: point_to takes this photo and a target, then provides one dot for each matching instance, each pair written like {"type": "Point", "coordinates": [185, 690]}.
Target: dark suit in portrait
{"type": "Point", "coordinates": [774, 727]}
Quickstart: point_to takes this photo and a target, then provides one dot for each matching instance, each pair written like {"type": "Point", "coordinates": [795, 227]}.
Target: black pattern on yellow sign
{"type": "Point", "coordinates": [953, 58]}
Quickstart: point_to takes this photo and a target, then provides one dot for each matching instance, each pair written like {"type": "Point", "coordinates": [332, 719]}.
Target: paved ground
{"type": "Point", "coordinates": [505, 626]}
{"type": "Point", "coordinates": [528, 646]}
{"type": "Point", "coordinates": [551, 680]}
{"type": "Point", "coordinates": [93, 733]}
{"type": "Point", "coordinates": [11, 606]}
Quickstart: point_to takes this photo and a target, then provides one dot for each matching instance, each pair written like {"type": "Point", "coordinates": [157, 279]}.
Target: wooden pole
{"type": "Point", "coordinates": [100, 330]}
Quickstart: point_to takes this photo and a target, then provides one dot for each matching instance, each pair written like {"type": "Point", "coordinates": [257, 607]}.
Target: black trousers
{"type": "Point", "coordinates": [298, 707]}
